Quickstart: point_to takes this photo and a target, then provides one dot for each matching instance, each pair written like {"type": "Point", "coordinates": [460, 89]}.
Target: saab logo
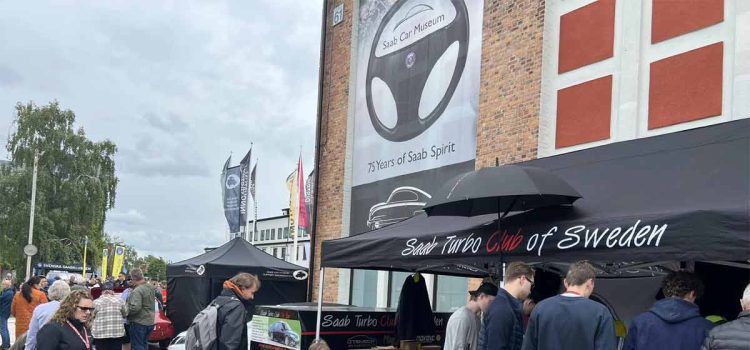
{"type": "Point", "coordinates": [232, 181]}
{"type": "Point", "coordinates": [410, 59]}
{"type": "Point", "coordinates": [120, 251]}
{"type": "Point", "coordinates": [360, 342]}
{"type": "Point", "coordinates": [200, 270]}
{"type": "Point", "coordinates": [300, 275]}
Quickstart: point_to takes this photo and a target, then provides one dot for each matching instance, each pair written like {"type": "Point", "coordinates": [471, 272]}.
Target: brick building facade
{"type": "Point", "coordinates": [556, 76]}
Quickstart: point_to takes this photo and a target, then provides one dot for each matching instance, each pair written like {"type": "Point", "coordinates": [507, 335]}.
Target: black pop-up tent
{"type": "Point", "coordinates": [193, 283]}
{"type": "Point", "coordinates": [677, 197]}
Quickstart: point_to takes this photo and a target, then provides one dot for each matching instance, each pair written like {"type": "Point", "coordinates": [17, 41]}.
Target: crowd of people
{"type": "Point", "coordinates": [504, 318]}
{"type": "Point", "coordinates": [64, 315]}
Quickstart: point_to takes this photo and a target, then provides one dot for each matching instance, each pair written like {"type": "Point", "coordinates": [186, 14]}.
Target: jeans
{"type": "Point", "coordinates": [139, 336]}
{"type": "Point", "coordinates": [4, 335]}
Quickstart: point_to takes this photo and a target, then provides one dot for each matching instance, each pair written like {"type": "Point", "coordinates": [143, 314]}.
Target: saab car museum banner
{"type": "Point", "coordinates": [118, 260]}
{"type": "Point", "coordinates": [416, 104]}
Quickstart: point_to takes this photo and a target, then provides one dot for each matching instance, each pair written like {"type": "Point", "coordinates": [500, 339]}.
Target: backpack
{"type": "Point", "coordinates": [202, 335]}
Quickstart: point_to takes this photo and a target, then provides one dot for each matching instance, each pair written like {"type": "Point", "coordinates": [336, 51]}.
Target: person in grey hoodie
{"type": "Point", "coordinates": [734, 335]}
{"type": "Point", "coordinates": [673, 322]}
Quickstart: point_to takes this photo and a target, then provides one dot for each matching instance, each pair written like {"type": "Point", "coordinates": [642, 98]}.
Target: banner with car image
{"type": "Point", "coordinates": [416, 103]}
{"type": "Point", "coordinates": [275, 333]}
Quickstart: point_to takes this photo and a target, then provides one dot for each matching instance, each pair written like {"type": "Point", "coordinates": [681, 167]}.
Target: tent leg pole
{"type": "Point", "coordinates": [320, 303]}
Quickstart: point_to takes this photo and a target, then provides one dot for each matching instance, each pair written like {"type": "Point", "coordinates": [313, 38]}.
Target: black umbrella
{"type": "Point", "coordinates": [501, 190]}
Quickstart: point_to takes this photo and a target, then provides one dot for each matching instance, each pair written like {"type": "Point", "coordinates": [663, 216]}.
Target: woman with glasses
{"type": "Point", "coordinates": [69, 327]}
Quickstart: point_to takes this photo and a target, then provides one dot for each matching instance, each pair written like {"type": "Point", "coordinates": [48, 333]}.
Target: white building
{"type": "Point", "coordinates": [272, 236]}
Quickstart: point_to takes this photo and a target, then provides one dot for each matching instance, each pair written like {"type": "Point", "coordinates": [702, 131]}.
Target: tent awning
{"type": "Point", "coordinates": [682, 196]}
{"type": "Point", "coordinates": [237, 255]}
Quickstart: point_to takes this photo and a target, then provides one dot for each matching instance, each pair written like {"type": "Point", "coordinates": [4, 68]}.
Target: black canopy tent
{"type": "Point", "coordinates": [676, 197]}
{"type": "Point", "coordinates": [194, 282]}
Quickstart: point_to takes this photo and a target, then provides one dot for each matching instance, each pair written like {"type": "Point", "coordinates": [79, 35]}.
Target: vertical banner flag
{"type": "Point", "coordinates": [105, 263]}
{"type": "Point", "coordinates": [255, 200]}
{"type": "Point", "coordinates": [118, 260]}
{"type": "Point", "coordinates": [244, 187]}
{"type": "Point", "coordinates": [309, 196]}
{"type": "Point", "coordinates": [416, 98]}
{"type": "Point", "coordinates": [291, 184]}
{"type": "Point", "coordinates": [230, 185]}
{"type": "Point", "coordinates": [301, 205]}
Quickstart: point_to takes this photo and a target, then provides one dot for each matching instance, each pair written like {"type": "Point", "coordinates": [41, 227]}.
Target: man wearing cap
{"type": "Point", "coordinates": [503, 322]}
{"type": "Point", "coordinates": [108, 329]}
{"type": "Point", "coordinates": [462, 331]}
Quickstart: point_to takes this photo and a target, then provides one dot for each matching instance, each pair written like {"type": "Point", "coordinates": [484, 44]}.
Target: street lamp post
{"type": "Point", "coordinates": [31, 215]}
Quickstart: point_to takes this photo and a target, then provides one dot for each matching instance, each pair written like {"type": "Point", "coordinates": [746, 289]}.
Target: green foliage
{"type": "Point", "coordinates": [76, 186]}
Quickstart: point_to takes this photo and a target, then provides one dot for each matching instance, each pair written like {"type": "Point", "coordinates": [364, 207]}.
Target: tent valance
{"type": "Point", "coordinates": [682, 196]}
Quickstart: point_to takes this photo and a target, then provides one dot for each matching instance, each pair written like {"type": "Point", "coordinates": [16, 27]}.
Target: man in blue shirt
{"type": "Point", "coordinates": [571, 320]}
{"type": "Point", "coordinates": [503, 322]}
{"type": "Point", "coordinates": [673, 322]}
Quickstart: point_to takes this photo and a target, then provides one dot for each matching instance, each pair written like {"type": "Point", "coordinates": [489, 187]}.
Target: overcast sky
{"type": "Point", "coordinates": [177, 86]}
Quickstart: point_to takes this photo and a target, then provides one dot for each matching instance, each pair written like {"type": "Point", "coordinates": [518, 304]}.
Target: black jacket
{"type": "Point", "coordinates": [414, 313]}
{"type": "Point", "coordinates": [503, 324]}
{"type": "Point", "coordinates": [56, 336]}
{"type": "Point", "coordinates": [730, 336]}
{"type": "Point", "coordinates": [233, 315]}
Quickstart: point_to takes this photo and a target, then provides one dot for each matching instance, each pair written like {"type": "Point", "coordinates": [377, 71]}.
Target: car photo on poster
{"type": "Point", "coordinates": [282, 333]}
{"type": "Point", "coordinates": [403, 203]}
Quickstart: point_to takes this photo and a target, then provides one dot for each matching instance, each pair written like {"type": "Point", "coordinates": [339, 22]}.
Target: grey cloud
{"type": "Point", "coordinates": [9, 76]}
{"type": "Point", "coordinates": [170, 123]}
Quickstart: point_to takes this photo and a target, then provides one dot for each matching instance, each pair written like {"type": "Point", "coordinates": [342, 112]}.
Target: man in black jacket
{"type": "Point", "coordinates": [502, 328]}
{"type": "Point", "coordinates": [236, 311]}
{"type": "Point", "coordinates": [735, 334]}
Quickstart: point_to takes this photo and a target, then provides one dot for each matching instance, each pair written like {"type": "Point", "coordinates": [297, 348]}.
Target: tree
{"type": "Point", "coordinates": [76, 186]}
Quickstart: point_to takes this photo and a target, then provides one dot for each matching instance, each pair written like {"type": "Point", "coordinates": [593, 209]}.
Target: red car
{"type": "Point", "coordinates": [163, 329]}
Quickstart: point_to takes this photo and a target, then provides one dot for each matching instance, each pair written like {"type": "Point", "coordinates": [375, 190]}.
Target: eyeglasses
{"type": "Point", "coordinates": [85, 309]}
{"type": "Point", "coordinates": [530, 281]}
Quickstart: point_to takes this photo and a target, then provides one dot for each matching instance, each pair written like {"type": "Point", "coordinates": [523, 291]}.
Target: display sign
{"type": "Point", "coordinates": [416, 104]}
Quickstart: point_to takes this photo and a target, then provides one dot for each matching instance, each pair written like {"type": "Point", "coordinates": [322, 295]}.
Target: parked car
{"type": "Point", "coordinates": [280, 332]}
{"type": "Point", "coordinates": [163, 329]}
{"type": "Point", "coordinates": [178, 342]}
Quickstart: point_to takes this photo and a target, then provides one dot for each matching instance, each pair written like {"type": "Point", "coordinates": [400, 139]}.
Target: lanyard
{"type": "Point", "coordinates": [84, 340]}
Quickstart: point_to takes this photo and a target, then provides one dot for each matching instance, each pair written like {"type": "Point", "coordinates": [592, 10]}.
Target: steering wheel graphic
{"type": "Point", "coordinates": [406, 70]}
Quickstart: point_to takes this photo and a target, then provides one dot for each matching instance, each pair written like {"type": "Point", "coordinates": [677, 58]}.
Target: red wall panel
{"type": "Point", "coordinates": [584, 112]}
{"type": "Point", "coordinates": [686, 87]}
{"type": "Point", "coordinates": [670, 18]}
{"type": "Point", "coordinates": [587, 35]}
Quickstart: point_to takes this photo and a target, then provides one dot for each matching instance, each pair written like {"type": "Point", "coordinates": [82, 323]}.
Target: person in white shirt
{"type": "Point", "coordinates": [462, 330]}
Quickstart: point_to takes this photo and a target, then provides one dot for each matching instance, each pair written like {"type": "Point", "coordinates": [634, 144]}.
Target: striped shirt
{"type": "Point", "coordinates": [109, 311]}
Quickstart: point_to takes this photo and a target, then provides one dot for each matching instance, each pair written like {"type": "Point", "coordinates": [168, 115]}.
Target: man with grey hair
{"type": "Point", "coordinates": [140, 310]}
{"type": "Point", "coordinates": [735, 334]}
{"type": "Point", "coordinates": [43, 313]}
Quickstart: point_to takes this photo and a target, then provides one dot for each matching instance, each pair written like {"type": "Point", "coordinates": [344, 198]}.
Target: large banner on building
{"type": "Point", "coordinates": [416, 104]}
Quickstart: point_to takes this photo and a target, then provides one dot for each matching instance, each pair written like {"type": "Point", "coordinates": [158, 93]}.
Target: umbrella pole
{"type": "Point", "coordinates": [320, 303]}
{"type": "Point", "coordinates": [499, 219]}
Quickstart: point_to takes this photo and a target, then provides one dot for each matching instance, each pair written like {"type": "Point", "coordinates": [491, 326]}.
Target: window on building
{"type": "Point", "coordinates": [286, 232]}
{"type": "Point", "coordinates": [397, 282]}
{"type": "Point", "coordinates": [452, 293]}
{"type": "Point", "coordinates": [364, 288]}
{"type": "Point", "coordinates": [255, 236]}
{"type": "Point", "coordinates": [283, 253]}
{"type": "Point", "coordinates": [276, 252]}
{"type": "Point", "coordinates": [273, 233]}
